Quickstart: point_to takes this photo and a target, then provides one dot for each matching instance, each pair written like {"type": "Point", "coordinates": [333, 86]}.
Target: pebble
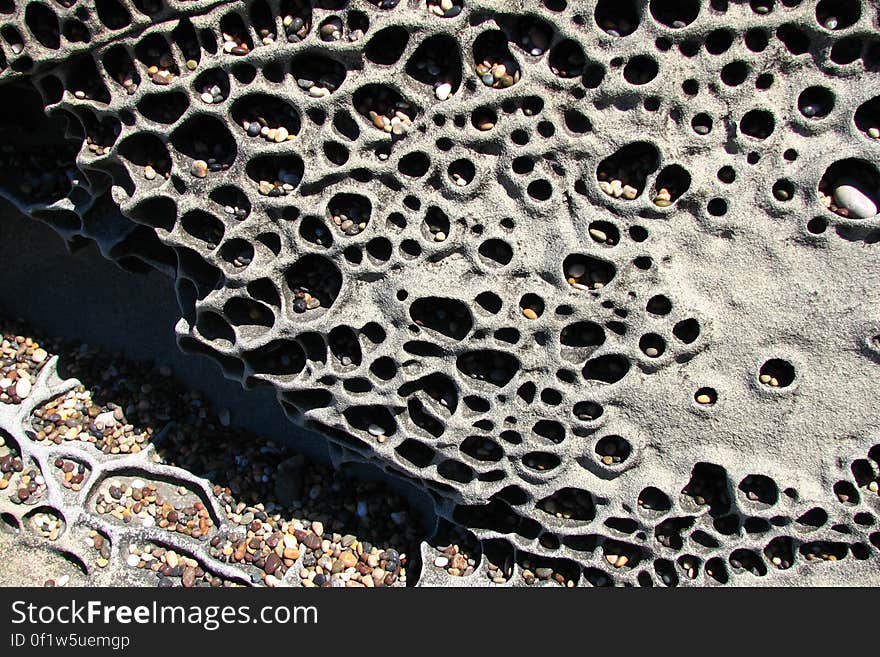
{"type": "Point", "coordinates": [23, 387]}
{"type": "Point", "coordinates": [375, 430]}
{"type": "Point", "coordinates": [199, 169]}
{"type": "Point", "coordinates": [39, 355]}
{"type": "Point", "coordinates": [443, 90]}
{"type": "Point", "coordinates": [874, 133]}
{"type": "Point", "coordinates": [848, 195]}
{"type": "Point", "coordinates": [133, 560]}
{"type": "Point", "coordinates": [529, 313]}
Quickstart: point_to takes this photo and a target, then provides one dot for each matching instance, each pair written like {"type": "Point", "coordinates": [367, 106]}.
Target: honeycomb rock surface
{"type": "Point", "coordinates": [600, 276]}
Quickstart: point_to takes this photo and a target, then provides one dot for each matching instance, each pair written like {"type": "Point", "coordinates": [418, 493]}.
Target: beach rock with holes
{"type": "Point", "coordinates": [599, 275]}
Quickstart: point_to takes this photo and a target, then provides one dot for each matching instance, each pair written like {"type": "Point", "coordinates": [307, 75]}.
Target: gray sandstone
{"type": "Point", "coordinates": [626, 270]}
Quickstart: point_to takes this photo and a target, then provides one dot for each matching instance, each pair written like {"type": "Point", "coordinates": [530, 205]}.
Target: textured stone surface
{"type": "Point", "coordinates": [608, 282]}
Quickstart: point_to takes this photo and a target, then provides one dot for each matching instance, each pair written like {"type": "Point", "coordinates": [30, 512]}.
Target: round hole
{"type": "Point", "coordinates": [717, 207]}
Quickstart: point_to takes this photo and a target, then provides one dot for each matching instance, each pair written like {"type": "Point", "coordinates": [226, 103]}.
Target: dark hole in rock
{"type": "Point", "coordinates": [816, 102]}
{"type": "Point", "coordinates": [245, 312]}
{"type": "Point", "coordinates": [112, 14]}
{"type": "Point", "coordinates": [414, 165]}
{"type": "Point", "coordinates": [640, 70]}
{"type": "Point", "coordinates": [495, 367]}
{"type": "Point", "coordinates": [719, 41]}
{"type": "Point", "coordinates": [489, 301]}
{"type": "Point", "coordinates": [379, 248]}
{"type": "Point", "coordinates": [495, 65]}
{"type": "Point", "coordinates": [350, 213]}
{"type": "Point", "coordinates": [205, 138]}
{"type": "Point", "coordinates": [709, 486]}
{"type": "Point", "coordinates": [146, 150]}
{"type": "Point", "coordinates": [157, 211]}
{"type": "Point", "coordinates": [316, 276]}
{"type": "Point", "coordinates": [203, 226]}
{"type": "Point", "coordinates": [582, 334]}
{"type": "Point", "coordinates": [851, 188]}
{"type": "Point", "coordinates": [385, 108]}
{"type": "Point", "coordinates": [437, 62]}
{"type": "Point", "coordinates": [652, 345]}
{"type": "Point", "coordinates": [717, 207]}
{"type": "Point", "coordinates": [838, 14]}
{"type": "Point", "coordinates": [387, 45]}
{"type": "Point", "coordinates": [455, 471]}
{"type": "Point", "coordinates": [760, 488]}
{"type": "Point", "coordinates": [550, 430]}
{"type": "Point", "coordinates": [317, 76]}
{"type": "Point", "coordinates": [264, 290]}
{"type": "Point", "coordinates": [496, 252]}
{"type": "Point", "coordinates": [255, 112]}
{"type": "Point", "coordinates": [777, 373]}
{"type": "Point", "coordinates": [213, 327]}
{"type": "Point", "coordinates": [234, 202]}
{"type": "Point", "coordinates": [846, 51]}
{"type": "Point", "coordinates": [384, 368]}
{"type": "Point", "coordinates": [623, 174]}
{"type": "Point", "coordinates": [416, 453]}
{"type": "Point", "coordinates": [675, 13]}
{"type": "Point", "coordinates": [377, 421]}
{"type": "Point", "coordinates": [687, 330]}
{"type": "Point", "coordinates": [237, 252]}
{"type": "Point", "coordinates": [336, 152]}
{"type": "Point", "coordinates": [613, 449]}
{"type": "Point", "coordinates": [653, 499]}
{"type": "Point", "coordinates": [608, 369]}
{"type": "Point", "coordinates": [410, 249]}
{"type": "Point", "coordinates": [278, 358]}
{"type": "Point", "coordinates": [756, 40]}
{"type": "Point", "coordinates": [315, 231]}
{"type": "Point", "coordinates": [462, 172]}
{"type": "Point", "coordinates": [449, 317]}
{"type": "Point", "coordinates": [734, 73]}
{"type": "Point", "coordinates": [586, 272]}
{"type": "Point", "coordinates": [567, 59]}
{"type": "Point", "coordinates": [523, 165]}
{"type": "Point", "coordinates": [540, 190]}
{"type": "Point", "coordinates": [346, 126]}
{"type": "Point", "coordinates": [43, 24]}
{"type": "Point", "coordinates": [344, 346]}
{"type": "Point", "coordinates": [275, 175]}
{"type": "Point", "coordinates": [577, 122]}
{"type": "Point", "coordinates": [793, 38]}
{"type": "Point", "coordinates": [783, 190]}
{"type": "Point", "coordinates": [541, 461]}
{"type": "Point", "coordinates": [482, 448]}
{"type": "Point", "coordinates": [163, 107]}
{"type": "Point", "coordinates": [618, 18]}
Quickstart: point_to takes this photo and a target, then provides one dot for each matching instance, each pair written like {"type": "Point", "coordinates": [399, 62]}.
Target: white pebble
{"type": "Point", "coordinates": [859, 204]}
{"type": "Point", "coordinates": [23, 388]}
{"type": "Point", "coordinates": [443, 91]}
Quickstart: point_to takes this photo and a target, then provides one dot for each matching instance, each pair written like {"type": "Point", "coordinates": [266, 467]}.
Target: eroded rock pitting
{"type": "Point", "coordinates": [597, 275]}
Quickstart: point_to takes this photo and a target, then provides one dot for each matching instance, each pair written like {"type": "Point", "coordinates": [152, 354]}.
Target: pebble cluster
{"type": "Point", "coordinates": [148, 505]}
{"type": "Point", "coordinates": [172, 569]}
{"type": "Point", "coordinates": [272, 522]}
